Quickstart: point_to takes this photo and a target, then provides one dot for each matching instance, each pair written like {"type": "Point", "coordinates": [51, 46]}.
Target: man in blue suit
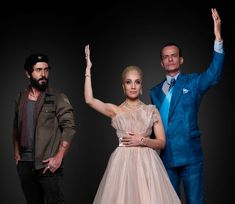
{"type": "Point", "coordinates": [178, 103]}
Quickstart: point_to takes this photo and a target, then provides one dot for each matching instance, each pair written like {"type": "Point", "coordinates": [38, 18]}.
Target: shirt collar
{"type": "Point", "coordinates": [168, 78]}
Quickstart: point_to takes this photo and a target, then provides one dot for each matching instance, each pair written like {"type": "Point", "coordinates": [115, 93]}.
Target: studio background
{"type": "Point", "coordinates": [119, 35]}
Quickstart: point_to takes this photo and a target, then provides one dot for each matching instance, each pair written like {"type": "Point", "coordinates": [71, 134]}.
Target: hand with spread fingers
{"type": "Point", "coordinates": [53, 163]}
{"type": "Point", "coordinates": [132, 140]}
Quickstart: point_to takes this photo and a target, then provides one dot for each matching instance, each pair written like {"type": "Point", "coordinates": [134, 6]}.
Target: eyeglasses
{"type": "Point", "coordinates": [40, 70]}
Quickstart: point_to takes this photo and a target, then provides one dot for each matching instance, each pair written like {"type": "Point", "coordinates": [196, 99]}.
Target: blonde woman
{"type": "Point", "coordinates": [135, 173]}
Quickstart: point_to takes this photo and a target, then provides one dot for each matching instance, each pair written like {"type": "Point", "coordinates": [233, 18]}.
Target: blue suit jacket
{"type": "Point", "coordinates": [183, 144]}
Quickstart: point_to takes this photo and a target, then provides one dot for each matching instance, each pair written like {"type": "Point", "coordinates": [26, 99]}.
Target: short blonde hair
{"type": "Point", "coordinates": [131, 68]}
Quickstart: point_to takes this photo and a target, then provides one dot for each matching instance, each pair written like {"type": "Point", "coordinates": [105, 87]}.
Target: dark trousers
{"type": "Point", "coordinates": [41, 188]}
{"type": "Point", "coordinates": [193, 182]}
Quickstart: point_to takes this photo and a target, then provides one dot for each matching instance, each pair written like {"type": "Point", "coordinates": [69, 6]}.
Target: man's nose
{"type": "Point", "coordinates": [43, 72]}
{"type": "Point", "coordinates": [170, 58]}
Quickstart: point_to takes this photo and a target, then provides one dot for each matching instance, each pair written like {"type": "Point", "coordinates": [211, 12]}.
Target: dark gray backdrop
{"type": "Point", "coordinates": [119, 35]}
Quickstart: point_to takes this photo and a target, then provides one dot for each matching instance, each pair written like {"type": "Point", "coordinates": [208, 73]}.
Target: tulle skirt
{"type": "Point", "coordinates": [135, 175]}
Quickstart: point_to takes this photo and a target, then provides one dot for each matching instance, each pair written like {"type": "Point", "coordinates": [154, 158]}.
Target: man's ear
{"type": "Point", "coordinates": [181, 60]}
{"type": "Point", "coordinates": [27, 74]}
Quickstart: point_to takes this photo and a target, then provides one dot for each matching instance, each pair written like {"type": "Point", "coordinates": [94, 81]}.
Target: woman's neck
{"type": "Point", "coordinates": [132, 104]}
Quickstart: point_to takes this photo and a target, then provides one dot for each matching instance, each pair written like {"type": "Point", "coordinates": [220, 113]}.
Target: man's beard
{"type": "Point", "coordinates": [35, 83]}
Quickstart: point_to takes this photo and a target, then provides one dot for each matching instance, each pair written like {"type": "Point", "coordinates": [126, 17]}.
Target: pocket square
{"type": "Point", "coordinates": [185, 91]}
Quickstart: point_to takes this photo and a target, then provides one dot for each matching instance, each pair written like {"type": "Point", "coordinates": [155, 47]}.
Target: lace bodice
{"type": "Point", "coordinates": [139, 121]}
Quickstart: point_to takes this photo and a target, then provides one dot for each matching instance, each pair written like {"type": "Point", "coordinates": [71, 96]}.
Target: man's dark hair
{"type": "Point", "coordinates": [171, 44]}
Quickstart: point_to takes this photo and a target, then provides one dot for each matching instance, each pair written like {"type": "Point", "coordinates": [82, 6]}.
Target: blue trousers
{"type": "Point", "coordinates": [40, 188]}
{"type": "Point", "coordinates": [192, 179]}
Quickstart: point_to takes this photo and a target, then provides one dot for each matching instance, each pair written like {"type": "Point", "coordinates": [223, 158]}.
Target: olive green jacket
{"type": "Point", "coordinates": [54, 122]}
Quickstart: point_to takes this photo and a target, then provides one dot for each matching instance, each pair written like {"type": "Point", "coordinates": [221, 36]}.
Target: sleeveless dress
{"type": "Point", "coordinates": [135, 175]}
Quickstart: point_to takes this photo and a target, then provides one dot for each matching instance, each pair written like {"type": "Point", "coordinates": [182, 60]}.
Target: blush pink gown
{"type": "Point", "coordinates": [135, 175]}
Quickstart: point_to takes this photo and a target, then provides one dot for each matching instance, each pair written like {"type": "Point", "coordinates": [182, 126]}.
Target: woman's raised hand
{"type": "Point", "coordinates": [87, 56]}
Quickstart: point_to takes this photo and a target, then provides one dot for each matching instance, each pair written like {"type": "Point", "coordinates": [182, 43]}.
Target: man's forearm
{"type": "Point", "coordinates": [63, 148]}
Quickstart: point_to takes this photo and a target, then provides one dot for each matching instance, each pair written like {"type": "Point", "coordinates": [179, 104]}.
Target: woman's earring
{"type": "Point", "coordinates": [141, 92]}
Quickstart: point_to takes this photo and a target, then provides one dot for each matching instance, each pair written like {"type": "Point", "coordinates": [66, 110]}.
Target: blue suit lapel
{"type": "Point", "coordinates": [157, 95]}
{"type": "Point", "coordinates": [177, 92]}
